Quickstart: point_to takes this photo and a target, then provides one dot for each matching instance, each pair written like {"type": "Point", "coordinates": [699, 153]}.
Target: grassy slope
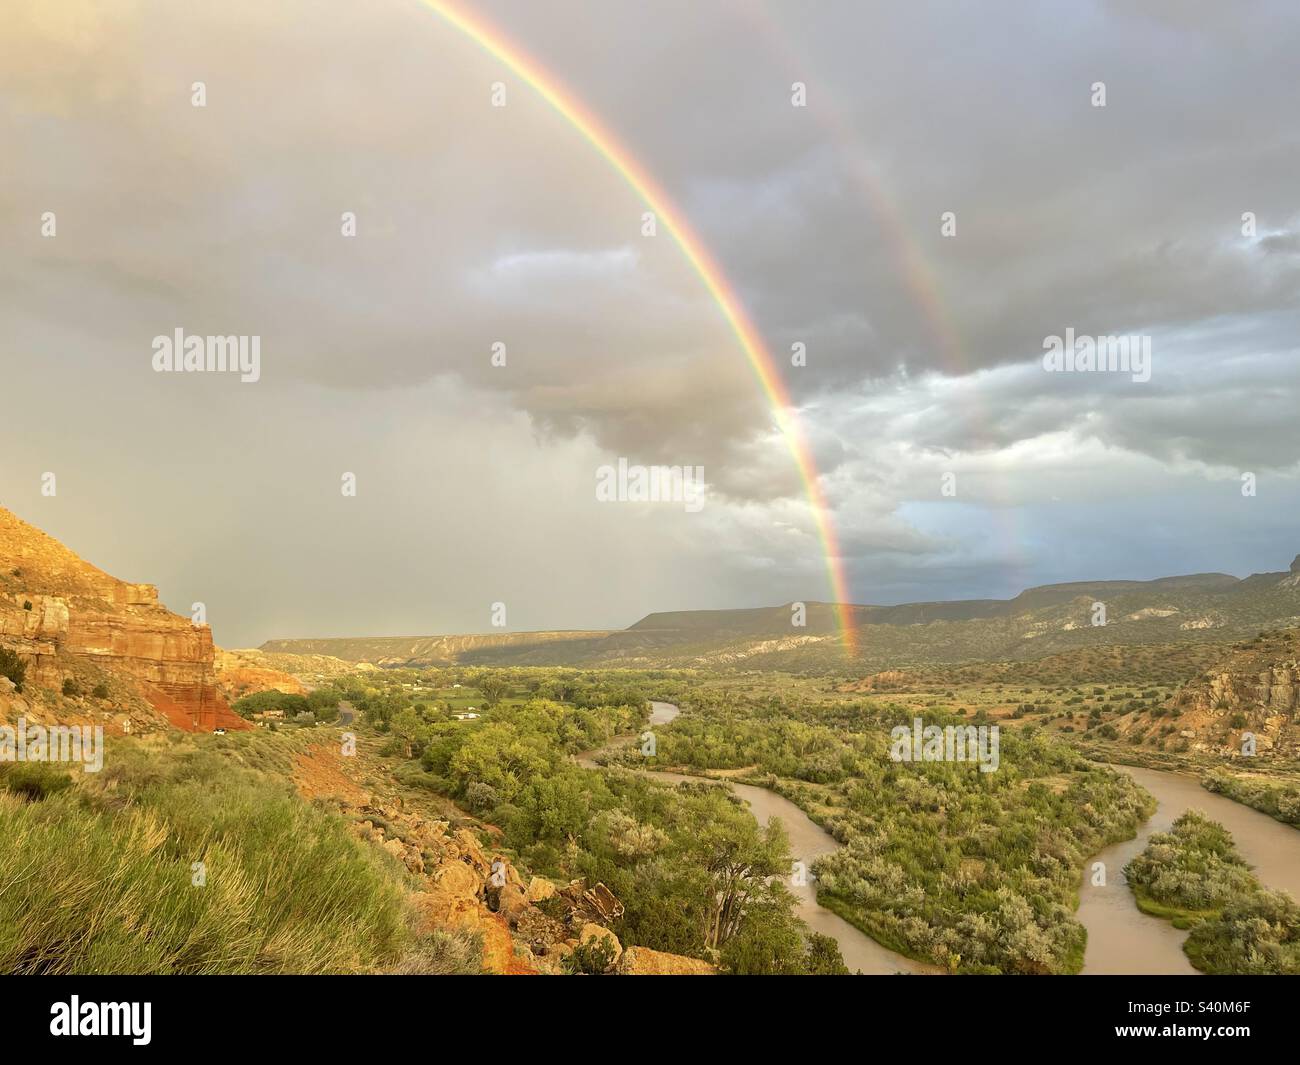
{"type": "Point", "coordinates": [99, 875]}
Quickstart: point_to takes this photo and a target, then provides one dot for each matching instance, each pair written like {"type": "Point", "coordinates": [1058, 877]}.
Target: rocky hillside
{"type": "Point", "coordinates": [78, 628]}
{"type": "Point", "coordinates": [527, 927]}
{"type": "Point", "coordinates": [247, 672]}
{"type": "Point", "coordinates": [1255, 690]}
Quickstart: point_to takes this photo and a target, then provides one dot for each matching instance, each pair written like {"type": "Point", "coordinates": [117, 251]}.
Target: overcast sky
{"type": "Point", "coordinates": [478, 224]}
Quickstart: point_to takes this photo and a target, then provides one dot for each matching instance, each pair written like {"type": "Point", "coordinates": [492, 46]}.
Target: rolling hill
{"type": "Point", "coordinates": [1204, 608]}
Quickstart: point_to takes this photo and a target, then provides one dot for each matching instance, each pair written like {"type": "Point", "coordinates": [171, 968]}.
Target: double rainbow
{"type": "Point", "coordinates": [656, 200]}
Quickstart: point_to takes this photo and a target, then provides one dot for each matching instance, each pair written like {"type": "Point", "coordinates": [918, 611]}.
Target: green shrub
{"type": "Point", "coordinates": [1277, 798]}
{"type": "Point", "coordinates": [1194, 876]}
{"type": "Point", "coordinates": [443, 952]}
{"type": "Point", "coordinates": [13, 667]}
{"type": "Point", "coordinates": [33, 780]}
{"type": "Point", "coordinates": [592, 958]}
{"type": "Point", "coordinates": [1258, 935]}
{"type": "Point", "coordinates": [287, 887]}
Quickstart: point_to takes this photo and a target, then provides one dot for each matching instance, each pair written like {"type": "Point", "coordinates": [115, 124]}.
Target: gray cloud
{"type": "Point", "coordinates": [480, 225]}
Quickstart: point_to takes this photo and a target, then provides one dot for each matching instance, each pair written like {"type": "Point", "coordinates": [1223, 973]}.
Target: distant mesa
{"type": "Point", "coordinates": [1041, 621]}
{"type": "Point", "coordinates": [68, 619]}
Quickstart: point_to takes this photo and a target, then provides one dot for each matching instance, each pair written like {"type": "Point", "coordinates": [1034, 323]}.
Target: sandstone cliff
{"type": "Point", "coordinates": [67, 618]}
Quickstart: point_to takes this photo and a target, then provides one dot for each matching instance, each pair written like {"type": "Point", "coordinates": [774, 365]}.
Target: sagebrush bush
{"type": "Point", "coordinates": [33, 780]}
{"type": "Point", "coordinates": [1194, 876]}
{"type": "Point", "coordinates": [176, 859]}
{"type": "Point", "coordinates": [443, 952]}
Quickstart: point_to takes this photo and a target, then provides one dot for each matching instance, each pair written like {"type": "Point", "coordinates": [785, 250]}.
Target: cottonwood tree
{"type": "Point", "coordinates": [739, 866]}
{"type": "Point", "coordinates": [493, 689]}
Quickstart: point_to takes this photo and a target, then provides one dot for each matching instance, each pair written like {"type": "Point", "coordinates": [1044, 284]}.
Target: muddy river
{"type": "Point", "coordinates": [1121, 939]}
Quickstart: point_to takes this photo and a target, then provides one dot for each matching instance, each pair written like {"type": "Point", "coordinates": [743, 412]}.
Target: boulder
{"type": "Point", "coordinates": [458, 880]}
{"type": "Point", "coordinates": [642, 961]}
{"type": "Point", "coordinates": [507, 900]}
{"type": "Point", "coordinates": [470, 850]}
{"type": "Point", "coordinates": [602, 904]}
{"type": "Point", "coordinates": [592, 933]}
{"type": "Point", "coordinates": [540, 888]}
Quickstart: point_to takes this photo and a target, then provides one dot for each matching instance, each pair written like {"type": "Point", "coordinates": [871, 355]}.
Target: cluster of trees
{"type": "Point", "coordinates": [691, 866]}
{"type": "Point", "coordinates": [1194, 868]}
{"type": "Point", "coordinates": [978, 871]}
{"type": "Point", "coordinates": [975, 871]}
{"type": "Point", "coordinates": [696, 874]}
{"type": "Point", "coordinates": [322, 704]}
{"type": "Point", "coordinates": [776, 745]}
{"type": "Point", "coordinates": [1194, 876]}
{"type": "Point", "coordinates": [382, 696]}
{"type": "Point", "coordinates": [1277, 798]}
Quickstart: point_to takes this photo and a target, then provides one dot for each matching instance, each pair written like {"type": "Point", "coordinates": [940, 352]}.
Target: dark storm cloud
{"type": "Point", "coordinates": [479, 225]}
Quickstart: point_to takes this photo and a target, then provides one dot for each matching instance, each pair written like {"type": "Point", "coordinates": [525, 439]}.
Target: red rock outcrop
{"type": "Point", "coordinates": [244, 672]}
{"type": "Point", "coordinates": [56, 608]}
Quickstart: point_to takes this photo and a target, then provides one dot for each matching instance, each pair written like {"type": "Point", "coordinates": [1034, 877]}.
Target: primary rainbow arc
{"type": "Point", "coordinates": [656, 200]}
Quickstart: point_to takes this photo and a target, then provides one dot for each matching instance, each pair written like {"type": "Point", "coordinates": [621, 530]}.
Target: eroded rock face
{"type": "Point", "coordinates": [1256, 691]}
{"type": "Point", "coordinates": [53, 604]}
{"type": "Point", "coordinates": [247, 672]}
{"type": "Point", "coordinates": [1275, 689]}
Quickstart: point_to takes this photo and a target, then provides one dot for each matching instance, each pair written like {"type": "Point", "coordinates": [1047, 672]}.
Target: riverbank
{"type": "Point", "coordinates": [1121, 939]}
{"type": "Point", "coordinates": [808, 842]}
{"type": "Point", "coordinates": [1124, 940]}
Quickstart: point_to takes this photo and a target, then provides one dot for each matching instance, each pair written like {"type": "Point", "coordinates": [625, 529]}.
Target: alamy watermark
{"type": "Point", "coordinates": [77, 1018]}
{"type": "Point", "coordinates": [628, 483]}
{"type": "Point", "coordinates": [949, 743]}
{"type": "Point", "coordinates": [53, 743]}
{"type": "Point", "coordinates": [1074, 353]}
{"type": "Point", "coordinates": [179, 353]}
